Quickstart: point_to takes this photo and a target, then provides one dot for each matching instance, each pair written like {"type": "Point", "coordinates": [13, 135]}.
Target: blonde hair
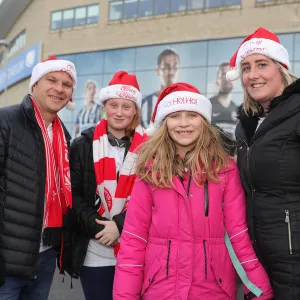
{"type": "Point", "coordinates": [130, 130]}
{"type": "Point", "coordinates": [250, 106]}
{"type": "Point", "coordinates": [158, 161]}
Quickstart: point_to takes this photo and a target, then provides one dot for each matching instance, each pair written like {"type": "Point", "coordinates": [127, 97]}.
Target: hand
{"type": "Point", "coordinates": [109, 234]}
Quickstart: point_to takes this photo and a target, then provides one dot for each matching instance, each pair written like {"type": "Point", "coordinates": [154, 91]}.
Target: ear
{"type": "Point", "coordinates": [157, 71]}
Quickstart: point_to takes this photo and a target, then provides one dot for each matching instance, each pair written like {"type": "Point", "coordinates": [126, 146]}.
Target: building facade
{"type": "Point", "coordinates": [161, 41]}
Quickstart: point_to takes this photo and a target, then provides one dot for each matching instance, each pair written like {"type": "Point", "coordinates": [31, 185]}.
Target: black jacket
{"type": "Point", "coordinates": [269, 164]}
{"type": "Point", "coordinates": [22, 190]}
{"type": "Point", "coordinates": [84, 192]}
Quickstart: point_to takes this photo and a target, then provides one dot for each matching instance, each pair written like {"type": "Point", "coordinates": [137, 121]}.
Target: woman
{"type": "Point", "coordinates": [268, 143]}
{"type": "Point", "coordinates": [90, 114]}
{"type": "Point", "coordinates": [188, 193]}
{"type": "Point", "coordinates": [102, 172]}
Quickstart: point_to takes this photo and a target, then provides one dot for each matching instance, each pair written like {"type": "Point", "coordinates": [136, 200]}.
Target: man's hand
{"type": "Point", "coordinates": [109, 235]}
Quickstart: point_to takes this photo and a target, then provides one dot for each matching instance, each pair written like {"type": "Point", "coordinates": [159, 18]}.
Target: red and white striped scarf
{"type": "Point", "coordinates": [58, 182]}
{"type": "Point", "coordinates": [114, 194]}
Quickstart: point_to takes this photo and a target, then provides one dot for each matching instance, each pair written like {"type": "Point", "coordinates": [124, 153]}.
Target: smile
{"type": "Point", "coordinates": [184, 132]}
{"type": "Point", "coordinates": [257, 85]}
{"type": "Point", "coordinates": [56, 98]}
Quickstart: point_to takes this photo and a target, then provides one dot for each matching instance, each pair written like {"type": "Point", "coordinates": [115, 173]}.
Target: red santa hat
{"type": "Point", "coordinates": [123, 86]}
{"type": "Point", "coordinates": [53, 64]}
{"type": "Point", "coordinates": [262, 42]}
{"type": "Point", "coordinates": [179, 97]}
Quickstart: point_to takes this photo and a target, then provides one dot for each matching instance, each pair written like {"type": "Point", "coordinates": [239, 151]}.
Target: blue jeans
{"type": "Point", "coordinates": [35, 289]}
{"type": "Point", "coordinates": [97, 282]}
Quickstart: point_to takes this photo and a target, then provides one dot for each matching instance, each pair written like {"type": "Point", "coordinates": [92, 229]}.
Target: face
{"type": "Point", "coordinates": [53, 91]}
{"type": "Point", "coordinates": [225, 86]}
{"type": "Point", "coordinates": [119, 113]}
{"type": "Point", "coordinates": [168, 70]}
{"type": "Point", "coordinates": [261, 78]}
{"type": "Point", "coordinates": [184, 128]}
{"type": "Point", "coordinates": [91, 90]}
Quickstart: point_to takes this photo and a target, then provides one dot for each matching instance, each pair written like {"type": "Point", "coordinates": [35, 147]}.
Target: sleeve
{"type": "Point", "coordinates": [120, 219]}
{"type": "Point", "coordinates": [130, 261]}
{"type": "Point", "coordinates": [85, 213]}
{"type": "Point", "coordinates": [236, 226]}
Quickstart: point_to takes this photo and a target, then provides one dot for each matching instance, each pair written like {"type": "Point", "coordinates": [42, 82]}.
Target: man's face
{"type": "Point", "coordinates": [225, 86]}
{"type": "Point", "coordinates": [168, 70]}
{"type": "Point", "coordinates": [53, 91]}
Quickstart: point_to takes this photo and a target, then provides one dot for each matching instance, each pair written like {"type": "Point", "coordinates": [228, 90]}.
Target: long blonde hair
{"type": "Point", "coordinates": [158, 161]}
{"type": "Point", "coordinates": [250, 106]}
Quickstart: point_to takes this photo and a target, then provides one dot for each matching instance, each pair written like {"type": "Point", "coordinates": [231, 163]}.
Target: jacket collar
{"type": "Point", "coordinates": [275, 116]}
{"type": "Point", "coordinates": [30, 114]}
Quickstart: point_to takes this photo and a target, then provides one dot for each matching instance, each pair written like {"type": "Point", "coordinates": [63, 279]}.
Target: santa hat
{"type": "Point", "coordinates": [262, 42]}
{"type": "Point", "coordinates": [123, 86]}
{"type": "Point", "coordinates": [178, 97]}
{"type": "Point", "coordinates": [53, 64]}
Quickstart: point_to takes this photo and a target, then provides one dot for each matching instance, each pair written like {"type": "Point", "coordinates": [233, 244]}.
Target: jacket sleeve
{"type": "Point", "coordinates": [120, 219]}
{"type": "Point", "coordinates": [236, 226]}
{"type": "Point", "coordinates": [130, 261]}
{"type": "Point", "coordinates": [85, 213]}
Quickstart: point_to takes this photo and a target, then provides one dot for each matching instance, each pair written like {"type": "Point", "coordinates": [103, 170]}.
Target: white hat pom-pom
{"type": "Point", "coordinates": [71, 105]}
{"type": "Point", "coordinates": [151, 130]}
{"type": "Point", "coordinates": [232, 75]}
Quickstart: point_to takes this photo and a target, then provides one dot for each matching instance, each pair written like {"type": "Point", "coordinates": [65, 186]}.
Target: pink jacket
{"type": "Point", "coordinates": [171, 250]}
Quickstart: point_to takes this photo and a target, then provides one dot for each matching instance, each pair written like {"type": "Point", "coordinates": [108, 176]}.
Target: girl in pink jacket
{"type": "Point", "coordinates": [187, 198]}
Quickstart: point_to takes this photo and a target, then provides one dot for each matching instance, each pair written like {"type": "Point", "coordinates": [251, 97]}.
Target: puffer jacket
{"type": "Point", "coordinates": [22, 191]}
{"type": "Point", "coordinates": [269, 163]}
{"type": "Point", "coordinates": [173, 245]}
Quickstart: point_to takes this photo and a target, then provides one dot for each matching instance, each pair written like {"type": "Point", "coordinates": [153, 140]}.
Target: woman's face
{"type": "Point", "coordinates": [119, 113]}
{"type": "Point", "coordinates": [91, 91]}
{"type": "Point", "coordinates": [261, 78]}
{"type": "Point", "coordinates": [184, 128]}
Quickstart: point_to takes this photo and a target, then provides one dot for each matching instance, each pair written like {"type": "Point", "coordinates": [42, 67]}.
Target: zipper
{"type": "Point", "coordinates": [206, 199]}
{"type": "Point", "coordinates": [287, 220]}
{"type": "Point", "coordinates": [168, 259]}
{"type": "Point", "coordinates": [205, 258]}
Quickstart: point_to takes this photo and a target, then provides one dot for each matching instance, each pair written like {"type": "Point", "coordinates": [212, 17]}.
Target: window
{"type": "Point", "coordinates": [130, 9]}
{"type": "Point", "coordinates": [178, 5]}
{"type": "Point", "coordinates": [77, 16]}
{"type": "Point", "coordinates": [68, 18]}
{"type": "Point", "coordinates": [17, 44]}
{"type": "Point", "coordinates": [80, 16]}
{"type": "Point", "coordinates": [146, 8]}
{"type": "Point", "coordinates": [195, 4]}
{"type": "Point", "coordinates": [93, 14]}
{"type": "Point", "coordinates": [56, 20]}
{"type": "Point", "coordinates": [162, 7]}
{"type": "Point", "coordinates": [116, 10]}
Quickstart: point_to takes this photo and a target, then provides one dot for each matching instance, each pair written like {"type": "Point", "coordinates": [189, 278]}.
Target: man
{"type": "Point", "coordinates": [35, 189]}
{"type": "Point", "coordinates": [90, 114]}
{"type": "Point", "coordinates": [168, 72]}
{"type": "Point", "coordinates": [223, 109]}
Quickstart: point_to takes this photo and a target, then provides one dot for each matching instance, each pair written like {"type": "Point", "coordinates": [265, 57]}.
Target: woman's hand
{"type": "Point", "coordinates": [109, 235]}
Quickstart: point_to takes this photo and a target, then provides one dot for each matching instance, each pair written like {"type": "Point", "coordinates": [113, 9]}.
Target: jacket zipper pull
{"type": "Point", "coordinates": [287, 220]}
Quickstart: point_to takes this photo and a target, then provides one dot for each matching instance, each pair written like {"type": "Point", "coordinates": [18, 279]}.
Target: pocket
{"type": "Point", "coordinates": [223, 270]}
{"type": "Point", "coordinates": [289, 230]}
{"type": "Point", "coordinates": [149, 277]}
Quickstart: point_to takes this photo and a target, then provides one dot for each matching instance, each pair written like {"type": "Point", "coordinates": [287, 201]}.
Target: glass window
{"type": "Point", "coordinates": [147, 57]}
{"type": "Point", "coordinates": [297, 46]}
{"type": "Point", "coordinates": [192, 54]}
{"type": "Point", "coordinates": [195, 4]}
{"type": "Point", "coordinates": [68, 18]}
{"type": "Point", "coordinates": [116, 10]}
{"type": "Point", "coordinates": [194, 76]}
{"type": "Point", "coordinates": [287, 41]}
{"type": "Point", "coordinates": [93, 14]}
{"type": "Point", "coordinates": [89, 63]}
{"type": "Point", "coordinates": [115, 60]}
{"type": "Point", "coordinates": [162, 7]}
{"type": "Point", "coordinates": [297, 69]}
{"type": "Point", "coordinates": [231, 2]}
{"type": "Point", "coordinates": [228, 46]}
{"type": "Point", "coordinates": [80, 16]}
{"type": "Point", "coordinates": [81, 91]}
{"type": "Point", "coordinates": [213, 3]}
{"type": "Point", "coordinates": [145, 8]}
{"type": "Point", "coordinates": [130, 9]}
{"type": "Point", "coordinates": [178, 5]}
{"type": "Point", "coordinates": [56, 20]}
